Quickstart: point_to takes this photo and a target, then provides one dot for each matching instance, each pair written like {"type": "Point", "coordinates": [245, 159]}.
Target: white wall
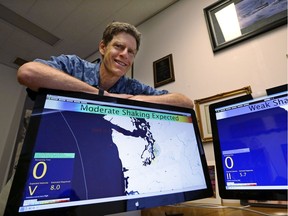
{"type": "Point", "coordinates": [12, 97]}
{"type": "Point", "coordinates": [260, 62]}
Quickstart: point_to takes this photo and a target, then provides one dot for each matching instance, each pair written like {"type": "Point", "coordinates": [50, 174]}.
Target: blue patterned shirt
{"type": "Point", "coordinates": [90, 72]}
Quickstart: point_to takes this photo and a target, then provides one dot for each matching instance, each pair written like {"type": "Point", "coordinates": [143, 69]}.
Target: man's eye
{"type": "Point", "coordinates": [131, 52]}
{"type": "Point", "coordinates": [118, 46]}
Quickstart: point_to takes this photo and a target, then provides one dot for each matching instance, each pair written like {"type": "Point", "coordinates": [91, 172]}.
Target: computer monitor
{"type": "Point", "coordinates": [277, 89]}
{"type": "Point", "coordinates": [85, 154]}
{"type": "Point", "coordinates": [250, 145]}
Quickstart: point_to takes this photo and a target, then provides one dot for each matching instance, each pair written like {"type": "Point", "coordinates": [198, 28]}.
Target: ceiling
{"type": "Point", "coordinates": [32, 29]}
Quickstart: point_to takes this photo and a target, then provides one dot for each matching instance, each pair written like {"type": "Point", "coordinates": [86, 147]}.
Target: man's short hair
{"type": "Point", "coordinates": [115, 28]}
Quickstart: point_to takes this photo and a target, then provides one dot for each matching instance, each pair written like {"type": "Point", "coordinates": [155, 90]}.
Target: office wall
{"type": "Point", "coordinates": [260, 62]}
{"type": "Point", "coordinates": [12, 97]}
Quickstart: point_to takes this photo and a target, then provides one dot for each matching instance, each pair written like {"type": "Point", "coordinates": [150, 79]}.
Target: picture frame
{"type": "Point", "coordinates": [163, 71]}
{"type": "Point", "coordinates": [202, 110]}
{"type": "Point", "coordinates": [215, 199]}
{"type": "Point", "coordinates": [232, 21]}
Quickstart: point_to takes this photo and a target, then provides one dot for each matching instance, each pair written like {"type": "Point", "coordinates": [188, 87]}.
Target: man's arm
{"type": "Point", "coordinates": [175, 99]}
{"type": "Point", "coordinates": [36, 75]}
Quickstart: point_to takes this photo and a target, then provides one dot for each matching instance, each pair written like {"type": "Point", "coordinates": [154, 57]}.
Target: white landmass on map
{"type": "Point", "coordinates": [176, 165]}
{"type": "Point", "coordinates": [284, 107]}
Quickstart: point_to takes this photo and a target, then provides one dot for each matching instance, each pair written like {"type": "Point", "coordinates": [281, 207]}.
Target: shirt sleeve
{"type": "Point", "coordinates": [66, 63]}
{"type": "Point", "coordinates": [75, 66]}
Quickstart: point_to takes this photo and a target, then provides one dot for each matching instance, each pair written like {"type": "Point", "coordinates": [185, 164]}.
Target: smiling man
{"type": "Point", "coordinates": [118, 47]}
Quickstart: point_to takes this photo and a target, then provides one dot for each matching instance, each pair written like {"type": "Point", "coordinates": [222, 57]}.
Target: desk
{"type": "Point", "coordinates": [211, 210]}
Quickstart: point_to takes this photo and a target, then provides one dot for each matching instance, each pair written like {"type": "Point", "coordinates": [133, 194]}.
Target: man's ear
{"type": "Point", "coordinates": [102, 47]}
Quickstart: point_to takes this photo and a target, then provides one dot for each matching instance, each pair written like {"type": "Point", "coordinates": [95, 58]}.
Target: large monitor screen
{"type": "Point", "coordinates": [250, 144]}
{"type": "Point", "coordinates": [87, 154]}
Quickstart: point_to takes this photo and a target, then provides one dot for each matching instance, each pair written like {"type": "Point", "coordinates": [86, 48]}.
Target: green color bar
{"type": "Point", "coordinates": [128, 112]}
{"type": "Point", "coordinates": [53, 155]}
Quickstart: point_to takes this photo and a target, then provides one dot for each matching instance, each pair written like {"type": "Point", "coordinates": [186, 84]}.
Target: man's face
{"type": "Point", "coordinates": [119, 54]}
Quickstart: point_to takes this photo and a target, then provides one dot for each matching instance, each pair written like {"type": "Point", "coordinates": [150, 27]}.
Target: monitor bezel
{"type": "Point", "coordinates": [18, 184]}
{"type": "Point", "coordinates": [242, 194]}
{"type": "Point", "coordinates": [277, 89]}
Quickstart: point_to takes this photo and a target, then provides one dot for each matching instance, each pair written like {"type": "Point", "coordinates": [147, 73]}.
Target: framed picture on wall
{"type": "Point", "coordinates": [202, 109]}
{"type": "Point", "coordinates": [163, 71]}
{"type": "Point", "coordinates": [232, 21]}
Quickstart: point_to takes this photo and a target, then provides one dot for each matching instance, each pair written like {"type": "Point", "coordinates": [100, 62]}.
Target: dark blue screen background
{"type": "Point", "coordinates": [264, 133]}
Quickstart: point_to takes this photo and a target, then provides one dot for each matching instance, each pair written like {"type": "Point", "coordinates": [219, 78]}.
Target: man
{"type": "Point", "coordinates": [118, 48]}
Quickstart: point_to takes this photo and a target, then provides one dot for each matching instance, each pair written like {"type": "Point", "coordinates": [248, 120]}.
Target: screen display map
{"type": "Point", "coordinates": [90, 151]}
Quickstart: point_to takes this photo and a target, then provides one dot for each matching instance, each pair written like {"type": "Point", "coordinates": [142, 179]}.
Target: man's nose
{"type": "Point", "coordinates": [125, 52]}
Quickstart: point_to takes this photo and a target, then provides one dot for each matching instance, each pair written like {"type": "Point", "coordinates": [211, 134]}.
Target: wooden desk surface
{"type": "Point", "coordinates": [231, 210]}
